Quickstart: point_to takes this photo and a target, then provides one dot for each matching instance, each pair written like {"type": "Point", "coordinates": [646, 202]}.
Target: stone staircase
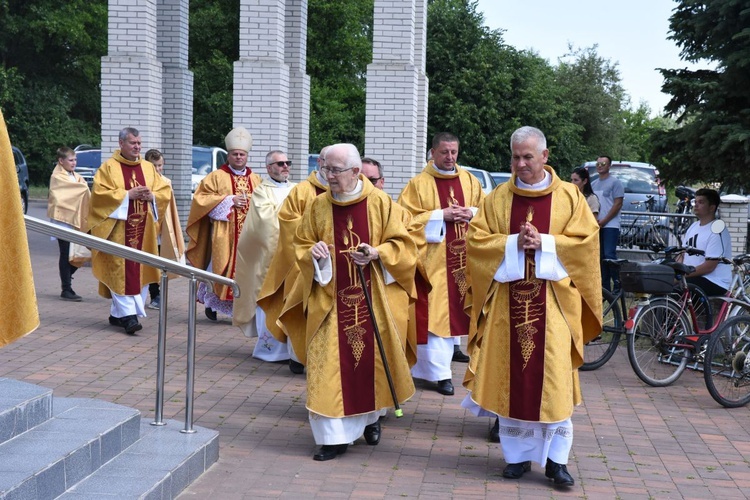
{"type": "Point", "coordinates": [85, 449]}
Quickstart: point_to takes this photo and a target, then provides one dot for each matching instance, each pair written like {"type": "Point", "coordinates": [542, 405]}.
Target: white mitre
{"type": "Point", "coordinates": [239, 138]}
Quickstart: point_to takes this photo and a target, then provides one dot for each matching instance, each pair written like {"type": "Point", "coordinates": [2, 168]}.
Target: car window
{"type": "Point", "coordinates": [479, 175]}
{"type": "Point", "coordinates": [633, 179]}
{"type": "Point", "coordinates": [202, 161]}
{"type": "Point", "coordinates": [89, 159]}
{"type": "Point", "coordinates": [221, 158]}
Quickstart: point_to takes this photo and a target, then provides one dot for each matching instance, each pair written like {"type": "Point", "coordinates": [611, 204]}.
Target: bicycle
{"type": "Point", "coordinates": [645, 232]}
{"type": "Point", "coordinates": [664, 334]}
{"type": "Point", "coordinates": [726, 369]}
{"type": "Point", "coordinates": [599, 350]}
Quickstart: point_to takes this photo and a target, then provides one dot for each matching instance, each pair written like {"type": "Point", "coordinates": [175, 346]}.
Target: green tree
{"type": "Point", "coordinates": [212, 66]}
{"type": "Point", "coordinates": [711, 106]}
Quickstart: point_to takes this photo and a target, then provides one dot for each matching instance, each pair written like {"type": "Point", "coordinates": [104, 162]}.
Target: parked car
{"type": "Point", "coordinates": [312, 162]}
{"type": "Point", "coordinates": [640, 181]}
{"type": "Point", "coordinates": [22, 170]}
{"type": "Point", "coordinates": [500, 177]}
{"type": "Point", "coordinates": [205, 160]}
{"type": "Point", "coordinates": [485, 179]}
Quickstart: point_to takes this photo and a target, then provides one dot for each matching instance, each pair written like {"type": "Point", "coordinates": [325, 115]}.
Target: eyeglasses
{"type": "Point", "coordinates": [334, 171]}
{"type": "Point", "coordinates": [280, 164]}
{"type": "Point", "coordinates": [374, 179]}
{"type": "Point", "coordinates": [601, 164]}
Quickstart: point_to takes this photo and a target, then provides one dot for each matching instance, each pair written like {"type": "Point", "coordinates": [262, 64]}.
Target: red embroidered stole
{"type": "Point", "coordinates": [135, 225]}
{"type": "Point", "coordinates": [318, 190]}
{"type": "Point", "coordinates": [355, 331]}
{"type": "Point", "coordinates": [451, 194]}
{"type": "Point", "coordinates": [421, 308]}
{"type": "Point", "coordinates": [528, 316]}
{"type": "Point", "coordinates": [241, 185]}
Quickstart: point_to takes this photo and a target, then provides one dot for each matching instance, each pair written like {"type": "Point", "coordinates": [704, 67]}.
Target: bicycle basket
{"type": "Point", "coordinates": [644, 277]}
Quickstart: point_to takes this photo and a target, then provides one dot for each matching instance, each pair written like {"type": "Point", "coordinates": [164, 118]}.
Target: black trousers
{"type": "Point", "coordinates": [66, 268]}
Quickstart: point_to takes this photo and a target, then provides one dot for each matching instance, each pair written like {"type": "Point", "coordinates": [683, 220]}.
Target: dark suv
{"type": "Point", "coordinates": [22, 169]}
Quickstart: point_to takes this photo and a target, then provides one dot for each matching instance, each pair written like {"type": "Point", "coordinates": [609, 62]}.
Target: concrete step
{"type": "Point", "coordinates": [85, 449]}
{"type": "Point", "coordinates": [22, 407]}
{"type": "Point", "coordinates": [157, 467]}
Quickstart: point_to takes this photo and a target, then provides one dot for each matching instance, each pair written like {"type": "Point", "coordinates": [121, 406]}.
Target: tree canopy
{"type": "Point", "coordinates": [711, 106]}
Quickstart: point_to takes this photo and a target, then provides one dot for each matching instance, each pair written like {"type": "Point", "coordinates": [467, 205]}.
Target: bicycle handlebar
{"type": "Point", "coordinates": [687, 250]}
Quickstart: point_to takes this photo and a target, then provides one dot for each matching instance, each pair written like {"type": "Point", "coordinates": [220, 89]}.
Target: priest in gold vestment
{"type": "Point", "coordinates": [217, 216]}
{"type": "Point", "coordinates": [535, 300]}
{"type": "Point", "coordinates": [354, 224]}
{"type": "Point", "coordinates": [283, 270]}
{"type": "Point", "coordinates": [442, 198]}
{"type": "Point", "coordinates": [128, 198]}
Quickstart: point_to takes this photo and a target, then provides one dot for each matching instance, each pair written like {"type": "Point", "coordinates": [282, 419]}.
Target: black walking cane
{"type": "Point", "coordinates": [399, 412]}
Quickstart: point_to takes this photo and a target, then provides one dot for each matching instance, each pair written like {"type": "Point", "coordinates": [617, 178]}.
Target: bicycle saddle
{"type": "Point", "coordinates": [680, 268]}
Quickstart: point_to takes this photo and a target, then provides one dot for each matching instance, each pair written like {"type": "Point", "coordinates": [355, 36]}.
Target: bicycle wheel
{"type": "Point", "coordinates": [726, 368]}
{"type": "Point", "coordinates": [600, 350]}
{"type": "Point", "coordinates": [652, 349]}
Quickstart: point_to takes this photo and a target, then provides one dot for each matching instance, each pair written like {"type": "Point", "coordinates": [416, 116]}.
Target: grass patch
{"type": "Point", "coordinates": [38, 192]}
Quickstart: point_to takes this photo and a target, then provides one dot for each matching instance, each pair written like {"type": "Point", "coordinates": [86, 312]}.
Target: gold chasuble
{"type": "Point", "coordinates": [444, 262]}
{"type": "Point", "coordinates": [170, 231]}
{"type": "Point", "coordinates": [215, 241]}
{"type": "Point", "coordinates": [112, 181]}
{"type": "Point", "coordinates": [526, 337]}
{"type": "Point", "coordinates": [16, 278]}
{"type": "Point", "coordinates": [345, 375]}
{"type": "Point", "coordinates": [283, 270]}
{"type": "Point", "coordinates": [69, 199]}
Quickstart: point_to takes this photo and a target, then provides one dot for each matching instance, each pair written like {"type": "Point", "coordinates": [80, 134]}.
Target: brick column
{"type": "Point", "coordinates": [299, 87]}
{"type": "Point", "coordinates": [420, 60]}
{"type": "Point", "coordinates": [733, 211]}
{"type": "Point", "coordinates": [391, 129]}
{"type": "Point", "coordinates": [131, 75]}
{"type": "Point", "coordinates": [177, 99]}
{"type": "Point", "coordinates": [261, 78]}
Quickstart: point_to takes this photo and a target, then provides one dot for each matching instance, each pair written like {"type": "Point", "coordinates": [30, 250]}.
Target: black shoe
{"type": "Point", "coordinates": [559, 473]}
{"type": "Point", "coordinates": [515, 471]}
{"type": "Point", "coordinates": [329, 451]}
{"type": "Point", "coordinates": [495, 432]}
{"type": "Point", "coordinates": [210, 314]}
{"type": "Point", "coordinates": [116, 321]}
{"type": "Point", "coordinates": [445, 387]}
{"type": "Point", "coordinates": [460, 357]}
{"type": "Point", "coordinates": [131, 324]}
{"type": "Point", "coordinates": [70, 295]}
{"type": "Point", "coordinates": [372, 433]}
{"type": "Point", "coordinates": [296, 368]}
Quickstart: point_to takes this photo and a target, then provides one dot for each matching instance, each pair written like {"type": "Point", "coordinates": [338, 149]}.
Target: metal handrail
{"type": "Point", "coordinates": [166, 266]}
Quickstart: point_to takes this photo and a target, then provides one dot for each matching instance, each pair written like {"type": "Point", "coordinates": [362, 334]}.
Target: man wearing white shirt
{"type": "Point", "coordinates": [535, 300]}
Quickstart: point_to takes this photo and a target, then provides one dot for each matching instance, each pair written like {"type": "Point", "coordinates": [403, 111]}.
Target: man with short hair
{"type": "Point", "coordinates": [217, 216]}
{"type": "Point", "coordinates": [68, 205]}
{"type": "Point", "coordinates": [535, 300]}
{"type": "Point", "coordinates": [128, 198]}
{"type": "Point", "coordinates": [283, 270]}
{"type": "Point", "coordinates": [442, 199]}
{"type": "Point", "coordinates": [353, 227]}
{"type": "Point", "coordinates": [256, 246]}
{"type": "Point", "coordinates": [710, 275]}
{"type": "Point", "coordinates": [610, 192]}
{"type": "Point", "coordinates": [373, 171]}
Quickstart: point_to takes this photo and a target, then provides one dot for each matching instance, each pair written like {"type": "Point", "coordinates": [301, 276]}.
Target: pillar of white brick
{"type": "Point", "coordinates": [733, 212]}
{"type": "Point", "coordinates": [391, 129]}
{"type": "Point", "coordinates": [131, 74]}
{"type": "Point", "coordinates": [420, 61]}
{"type": "Point", "coordinates": [177, 99]}
{"type": "Point", "coordinates": [261, 78]}
{"type": "Point", "coordinates": [299, 87]}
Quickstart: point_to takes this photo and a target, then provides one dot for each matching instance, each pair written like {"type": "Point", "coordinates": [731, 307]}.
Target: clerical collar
{"type": "Point", "coordinates": [237, 172]}
{"type": "Point", "coordinates": [322, 178]}
{"type": "Point", "coordinates": [444, 172]}
{"type": "Point", "coordinates": [352, 195]}
{"type": "Point", "coordinates": [543, 184]}
{"type": "Point", "coordinates": [280, 184]}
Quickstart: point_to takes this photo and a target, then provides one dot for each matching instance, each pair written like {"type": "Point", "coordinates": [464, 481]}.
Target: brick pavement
{"type": "Point", "coordinates": [631, 441]}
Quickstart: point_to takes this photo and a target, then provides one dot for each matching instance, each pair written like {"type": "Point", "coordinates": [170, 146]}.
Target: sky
{"type": "Point", "coordinates": [631, 33]}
